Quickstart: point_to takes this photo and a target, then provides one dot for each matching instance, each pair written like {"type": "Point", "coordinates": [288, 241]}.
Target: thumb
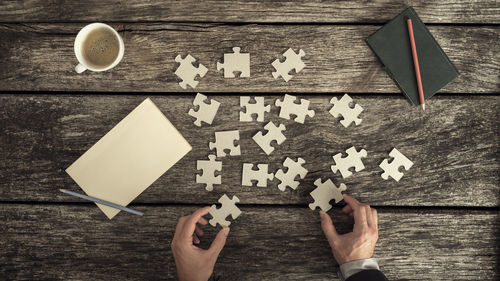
{"type": "Point", "coordinates": [219, 242]}
{"type": "Point", "coordinates": [328, 227]}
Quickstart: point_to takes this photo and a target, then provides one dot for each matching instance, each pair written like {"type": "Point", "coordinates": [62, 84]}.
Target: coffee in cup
{"type": "Point", "coordinates": [98, 47]}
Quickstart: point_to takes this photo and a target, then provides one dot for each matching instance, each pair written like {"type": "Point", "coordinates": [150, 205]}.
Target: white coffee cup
{"type": "Point", "coordinates": [83, 64]}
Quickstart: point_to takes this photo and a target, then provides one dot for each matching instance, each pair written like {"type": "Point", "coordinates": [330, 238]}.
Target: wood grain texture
{"type": "Point", "coordinates": [454, 145]}
{"type": "Point", "coordinates": [456, 11]}
{"type": "Point", "coordinates": [47, 242]}
{"type": "Point", "coordinates": [40, 57]}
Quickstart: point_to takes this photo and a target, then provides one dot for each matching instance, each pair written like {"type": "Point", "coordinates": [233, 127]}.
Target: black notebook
{"type": "Point", "coordinates": [391, 44]}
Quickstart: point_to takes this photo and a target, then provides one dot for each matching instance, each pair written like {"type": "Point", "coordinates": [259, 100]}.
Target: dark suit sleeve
{"type": "Point", "coordinates": [368, 275]}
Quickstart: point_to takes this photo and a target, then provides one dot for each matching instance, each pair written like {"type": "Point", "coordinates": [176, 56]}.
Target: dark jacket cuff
{"type": "Point", "coordinates": [368, 275]}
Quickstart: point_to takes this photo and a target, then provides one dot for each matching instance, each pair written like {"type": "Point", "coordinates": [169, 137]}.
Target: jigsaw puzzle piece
{"type": "Point", "coordinates": [235, 62]}
{"type": "Point", "coordinates": [289, 107]}
{"type": "Point", "coordinates": [342, 108]}
{"type": "Point", "coordinates": [273, 134]}
{"type": "Point", "coordinates": [260, 175]}
{"type": "Point", "coordinates": [294, 170]}
{"type": "Point", "coordinates": [324, 193]}
{"type": "Point", "coordinates": [293, 61]}
{"type": "Point", "coordinates": [209, 167]}
{"type": "Point", "coordinates": [206, 111]}
{"type": "Point", "coordinates": [225, 140]}
{"type": "Point", "coordinates": [392, 169]}
{"type": "Point", "coordinates": [257, 108]}
{"type": "Point", "coordinates": [188, 72]}
{"type": "Point", "coordinates": [353, 159]}
{"type": "Point", "coordinates": [228, 208]}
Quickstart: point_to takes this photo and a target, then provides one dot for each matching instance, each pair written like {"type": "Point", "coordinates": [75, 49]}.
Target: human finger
{"type": "Point", "coordinates": [349, 200]}
{"type": "Point", "coordinates": [328, 227]}
{"type": "Point", "coordinates": [196, 240]}
{"type": "Point", "coordinates": [347, 209]}
{"type": "Point", "coordinates": [178, 228]}
{"type": "Point", "coordinates": [359, 217]}
{"type": "Point", "coordinates": [190, 224]}
{"type": "Point", "coordinates": [375, 218]}
{"type": "Point", "coordinates": [198, 231]}
{"type": "Point", "coordinates": [219, 242]}
{"type": "Point", "coordinates": [203, 221]}
{"type": "Point", "coordinates": [351, 203]}
{"type": "Point", "coordinates": [369, 216]}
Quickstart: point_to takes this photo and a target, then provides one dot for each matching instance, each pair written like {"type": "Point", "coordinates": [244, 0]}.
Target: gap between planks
{"type": "Point", "coordinates": [253, 205]}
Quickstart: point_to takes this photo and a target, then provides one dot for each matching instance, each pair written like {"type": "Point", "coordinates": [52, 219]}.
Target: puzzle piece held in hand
{"type": "Point", "coordinates": [293, 62]}
{"type": "Point", "coordinates": [392, 169]}
{"type": "Point", "coordinates": [260, 175]}
{"type": "Point", "coordinates": [187, 71]}
{"type": "Point", "coordinates": [257, 108]}
{"type": "Point", "coordinates": [324, 193]}
{"type": "Point", "coordinates": [235, 62]}
{"type": "Point", "coordinates": [209, 168]}
{"type": "Point", "coordinates": [289, 107]}
{"type": "Point", "coordinates": [273, 134]}
{"type": "Point", "coordinates": [228, 208]}
{"type": "Point", "coordinates": [225, 140]}
{"type": "Point", "coordinates": [206, 111]}
{"type": "Point", "coordinates": [343, 164]}
{"type": "Point", "coordinates": [294, 170]}
{"type": "Point", "coordinates": [341, 107]}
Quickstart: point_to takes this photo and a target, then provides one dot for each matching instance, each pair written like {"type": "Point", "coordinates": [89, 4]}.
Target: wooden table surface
{"type": "Point", "coordinates": [440, 222]}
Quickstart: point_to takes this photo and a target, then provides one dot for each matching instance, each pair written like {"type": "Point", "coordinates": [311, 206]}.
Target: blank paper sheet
{"type": "Point", "coordinates": [130, 157]}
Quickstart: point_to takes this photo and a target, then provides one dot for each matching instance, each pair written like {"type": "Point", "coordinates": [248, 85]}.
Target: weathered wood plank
{"type": "Point", "coordinates": [51, 242]}
{"type": "Point", "coordinates": [456, 11]}
{"type": "Point", "coordinates": [40, 57]}
{"type": "Point", "coordinates": [454, 145]}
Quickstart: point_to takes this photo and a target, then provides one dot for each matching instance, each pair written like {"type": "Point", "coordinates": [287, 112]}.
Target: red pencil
{"type": "Point", "coordinates": [415, 63]}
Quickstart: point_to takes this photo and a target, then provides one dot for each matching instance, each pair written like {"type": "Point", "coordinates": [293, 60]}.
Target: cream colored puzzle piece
{"type": "Point", "coordinates": [324, 193]}
{"type": "Point", "coordinates": [235, 62]}
{"type": "Point", "coordinates": [352, 160]}
{"type": "Point", "coordinates": [228, 208]}
{"type": "Point", "coordinates": [392, 169]}
{"type": "Point", "coordinates": [260, 175]}
{"type": "Point", "coordinates": [294, 170]}
{"type": "Point", "coordinates": [209, 167]}
{"type": "Point", "coordinates": [206, 111]}
{"type": "Point", "coordinates": [273, 134]}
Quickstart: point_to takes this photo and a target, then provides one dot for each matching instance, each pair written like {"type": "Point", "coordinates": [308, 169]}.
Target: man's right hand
{"type": "Point", "coordinates": [358, 244]}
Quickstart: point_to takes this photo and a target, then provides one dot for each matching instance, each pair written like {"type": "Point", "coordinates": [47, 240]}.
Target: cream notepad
{"type": "Point", "coordinates": [130, 157]}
